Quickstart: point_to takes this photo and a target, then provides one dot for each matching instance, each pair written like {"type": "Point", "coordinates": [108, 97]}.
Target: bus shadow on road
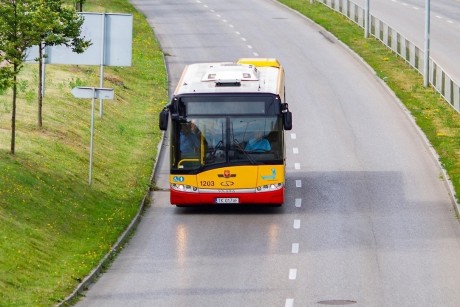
{"type": "Point", "coordinates": [230, 209]}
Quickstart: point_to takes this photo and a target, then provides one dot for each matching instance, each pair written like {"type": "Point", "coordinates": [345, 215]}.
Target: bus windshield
{"type": "Point", "coordinates": [213, 141]}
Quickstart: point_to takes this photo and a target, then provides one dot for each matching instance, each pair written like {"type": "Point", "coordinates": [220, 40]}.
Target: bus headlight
{"type": "Point", "coordinates": [269, 187]}
{"type": "Point", "coordinates": [184, 188]}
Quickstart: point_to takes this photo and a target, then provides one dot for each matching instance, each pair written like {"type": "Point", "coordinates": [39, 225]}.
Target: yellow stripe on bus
{"type": "Point", "coordinates": [237, 177]}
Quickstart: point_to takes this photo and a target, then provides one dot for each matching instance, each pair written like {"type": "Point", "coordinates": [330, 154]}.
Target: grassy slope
{"type": "Point", "coordinates": [54, 228]}
{"type": "Point", "coordinates": [439, 122]}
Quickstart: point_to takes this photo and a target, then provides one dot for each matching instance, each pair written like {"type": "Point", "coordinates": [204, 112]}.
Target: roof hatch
{"type": "Point", "coordinates": [230, 73]}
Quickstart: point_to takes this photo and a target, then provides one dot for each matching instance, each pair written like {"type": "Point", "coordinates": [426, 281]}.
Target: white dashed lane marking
{"type": "Point", "coordinates": [295, 248]}
{"type": "Point", "coordinates": [292, 274]}
{"type": "Point", "coordinates": [296, 224]}
{"type": "Point", "coordinates": [298, 202]}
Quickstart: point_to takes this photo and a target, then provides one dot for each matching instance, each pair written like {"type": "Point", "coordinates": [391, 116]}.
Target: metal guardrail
{"type": "Point", "coordinates": [438, 78]}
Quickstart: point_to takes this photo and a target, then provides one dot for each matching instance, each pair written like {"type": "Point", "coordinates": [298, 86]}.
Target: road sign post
{"type": "Point", "coordinates": [93, 93]}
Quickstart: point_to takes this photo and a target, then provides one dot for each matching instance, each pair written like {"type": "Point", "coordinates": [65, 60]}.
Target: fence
{"type": "Point", "coordinates": [438, 78]}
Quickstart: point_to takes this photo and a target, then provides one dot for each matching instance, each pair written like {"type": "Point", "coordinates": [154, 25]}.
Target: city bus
{"type": "Point", "coordinates": [226, 129]}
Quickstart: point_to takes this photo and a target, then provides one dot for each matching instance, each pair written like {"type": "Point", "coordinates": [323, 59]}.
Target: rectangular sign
{"type": "Point", "coordinates": [91, 92]}
{"type": "Point", "coordinates": [108, 32]}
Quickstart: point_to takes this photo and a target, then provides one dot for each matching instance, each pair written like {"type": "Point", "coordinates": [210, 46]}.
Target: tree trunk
{"type": "Point", "coordinates": [13, 113]}
{"type": "Point", "coordinates": [79, 5]}
{"type": "Point", "coordinates": [40, 84]}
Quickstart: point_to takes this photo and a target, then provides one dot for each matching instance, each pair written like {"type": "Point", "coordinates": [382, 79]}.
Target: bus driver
{"type": "Point", "coordinates": [258, 143]}
{"type": "Point", "coordinates": [189, 138]}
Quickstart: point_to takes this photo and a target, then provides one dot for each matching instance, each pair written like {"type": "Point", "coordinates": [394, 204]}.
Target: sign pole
{"type": "Point", "coordinates": [101, 83]}
{"type": "Point", "coordinates": [93, 93]}
{"type": "Point", "coordinates": [91, 139]}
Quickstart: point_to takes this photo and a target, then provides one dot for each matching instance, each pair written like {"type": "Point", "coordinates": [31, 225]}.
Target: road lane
{"type": "Point", "coordinates": [367, 218]}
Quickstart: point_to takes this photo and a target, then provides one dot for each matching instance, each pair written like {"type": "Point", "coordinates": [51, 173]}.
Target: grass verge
{"type": "Point", "coordinates": [439, 121]}
{"type": "Point", "coordinates": [54, 228]}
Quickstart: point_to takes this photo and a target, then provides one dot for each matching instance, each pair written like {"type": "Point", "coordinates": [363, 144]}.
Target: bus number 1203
{"type": "Point", "coordinates": [204, 183]}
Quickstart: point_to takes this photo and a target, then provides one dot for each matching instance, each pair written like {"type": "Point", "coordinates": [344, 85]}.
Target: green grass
{"type": "Point", "coordinates": [439, 121]}
{"type": "Point", "coordinates": [54, 228]}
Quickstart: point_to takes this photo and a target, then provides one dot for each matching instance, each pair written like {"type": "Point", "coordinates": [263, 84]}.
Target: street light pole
{"type": "Point", "coordinates": [426, 64]}
{"type": "Point", "coordinates": [366, 19]}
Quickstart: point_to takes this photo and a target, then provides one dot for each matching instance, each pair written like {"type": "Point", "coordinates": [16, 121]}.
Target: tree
{"type": "Point", "coordinates": [17, 34]}
{"type": "Point", "coordinates": [79, 5]}
{"type": "Point", "coordinates": [27, 23]}
{"type": "Point", "coordinates": [57, 26]}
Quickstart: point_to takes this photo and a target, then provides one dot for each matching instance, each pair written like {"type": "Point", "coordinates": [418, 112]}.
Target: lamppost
{"type": "Point", "coordinates": [426, 63]}
{"type": "Point", "coordinates": [366, 19]}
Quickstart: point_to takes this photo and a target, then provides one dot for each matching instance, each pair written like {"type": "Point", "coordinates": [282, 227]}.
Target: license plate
{"type": "Point", "coordinates": [227, 200]}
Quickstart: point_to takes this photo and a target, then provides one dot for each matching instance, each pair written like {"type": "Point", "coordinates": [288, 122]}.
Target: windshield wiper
{"type": "Point", "coordinates": [212, 155]}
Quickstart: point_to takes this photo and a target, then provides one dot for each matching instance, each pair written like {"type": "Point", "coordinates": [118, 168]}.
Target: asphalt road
{"type": "Point", "coordinates": [367, 220]}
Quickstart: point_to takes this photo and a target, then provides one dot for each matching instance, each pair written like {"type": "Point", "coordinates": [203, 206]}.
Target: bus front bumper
{"type": "Point", "coordinates": [199, 199]}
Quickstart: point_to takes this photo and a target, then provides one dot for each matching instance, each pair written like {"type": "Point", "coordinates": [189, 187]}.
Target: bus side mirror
{"type": "Point", "coordinates": [287, 120]}
{"type": "Point", "coordinates": [164, 115]}
{"type": "Point", "coordinates": [287, 116]}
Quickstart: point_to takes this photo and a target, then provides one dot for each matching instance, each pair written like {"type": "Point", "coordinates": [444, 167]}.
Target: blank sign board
{"type": "Point", "coordinates": [109, 32]}
{"type": "Point", "coordinates": [92, 92]}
